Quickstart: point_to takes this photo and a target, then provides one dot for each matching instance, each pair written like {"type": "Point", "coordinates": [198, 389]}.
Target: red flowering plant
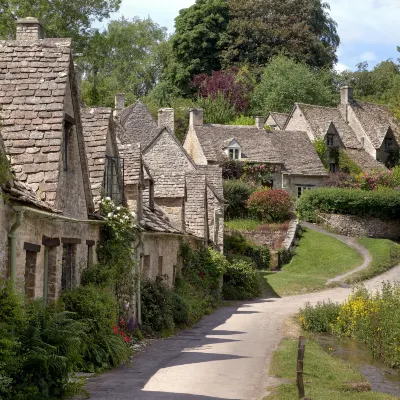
{"type": "Point", "coordinates": [270, 204]}
{"type": "Point", "coordinates": [259, 173]}
{"type": "Point", "coordinates": [120, 330]}
{"type": "Point", "coordinates": [379, 179]}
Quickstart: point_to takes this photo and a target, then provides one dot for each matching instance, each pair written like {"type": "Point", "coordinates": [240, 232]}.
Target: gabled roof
{"type": "Point", "coordinates": [364, 160]}
{"type": "Point", "coordinates": [255, 143]}
{"type": "Point", "coordinates": [298, 152]}
{"type": "Point", "coordinates": [375, 120]}
{"type": "Point", "coordinates": [320, 118]}
{"type": "Point", "coordinates": [96, 127]}
{"type": "Point", "coordinates": [132, 157]}
{"type": "Point", "coordinates": [156, 221]}
{"type": "Point", "coordinates": [33, 86]}
{"type": "Point", "coordinates": [279, 118]}
{"type": "Point", "coordinates": [140, 125]}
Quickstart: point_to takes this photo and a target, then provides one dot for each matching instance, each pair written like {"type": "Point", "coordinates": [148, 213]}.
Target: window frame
{"type": "Point", "coordinates": [234, 153]}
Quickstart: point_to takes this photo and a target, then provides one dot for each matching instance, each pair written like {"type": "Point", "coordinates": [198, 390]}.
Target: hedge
{"type": "Point", "coordinates": [383, 204]}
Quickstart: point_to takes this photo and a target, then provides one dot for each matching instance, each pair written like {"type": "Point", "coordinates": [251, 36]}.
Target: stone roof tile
{"type": "Point", "coordinates": [156, 221]}
{"type": "Point", "coordinates": [280, 118]}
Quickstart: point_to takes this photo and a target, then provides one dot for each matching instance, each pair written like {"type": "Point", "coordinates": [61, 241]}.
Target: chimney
{"type": "Point", "coordinates": [196, 117]}
{"type": "Point", "coordinates": [346, 95]}
{"type": "Point", "coordinates": [260, 122]}
{"type": "Point", "coordinates": [166, 119]}
{"type": "Point", "coordinates": [29, 28]}
{"type": "Point", "coordinates": [78, 77]}
{"type": "Point", "coordinates": [119, 101]}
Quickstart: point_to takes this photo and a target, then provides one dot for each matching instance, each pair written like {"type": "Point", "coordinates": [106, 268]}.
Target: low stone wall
{"type": "Point", "coordinates": [290, 237]}
{"type": "Point", "coordinates": [350, 225]}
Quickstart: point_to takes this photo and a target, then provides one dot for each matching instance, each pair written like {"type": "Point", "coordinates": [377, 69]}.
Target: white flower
{"type": "Point", "coordinates": [126, 217]}
{"type": "Point", "coordinates": [133, 214]}
{"type": "Point", "coordinates": [108, 198]}
{"type": "Point", "coordinates": [110, 215]}
{"type": "Point", "coordinates": [118, 208]}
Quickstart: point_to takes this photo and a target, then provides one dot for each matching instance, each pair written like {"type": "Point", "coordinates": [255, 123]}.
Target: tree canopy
{"type": "Point", "coordinates": [61, 18]}
{"type": "Point", "coordinates": [285, 82]}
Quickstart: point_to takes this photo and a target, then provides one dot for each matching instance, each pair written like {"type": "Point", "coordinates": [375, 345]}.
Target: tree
{"type": "Point", "coordinates": [62, 18]}
{"type": "Point", "coordinates": [196, 42]}
{"type": "Point", "coordinates": [127, 57]}
{"type": "Point", "coordinates": [260, 29]}
{"type": "Point", "coordinates": [285, 82]}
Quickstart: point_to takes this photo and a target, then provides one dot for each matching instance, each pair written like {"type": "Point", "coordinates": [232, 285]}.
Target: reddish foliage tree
{"type": "Point", "coordinates": [234, 85]}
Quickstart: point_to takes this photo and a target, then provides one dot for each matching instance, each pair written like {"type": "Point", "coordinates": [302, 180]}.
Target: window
{"type": "Point", "coordinates": [302, 189]}
{"type": "Point", "coordinates": [68, 266]}
{"type": "Point", "coordinates": [234, 154]}
{"type": "Point", "coordinates": [114, 178]}
{"type": "Point", "coordinates": [330, 140]}
{"type": "Point", "coordinates": [388, 143]}
{"type": "Point", "coordinates": [333, 167]}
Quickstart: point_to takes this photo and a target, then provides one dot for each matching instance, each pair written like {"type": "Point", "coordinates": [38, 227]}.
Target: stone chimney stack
{"type": "Point", "coordinates": [196, 117]}
{"type": "Point", "coordinates": [119, 102]}
{"type": "Point", "coordinates": [166, 118]}
{"type": "Point", "coordinates": [346, 95]}
{"type": "Point", "coordinates": [29, 28]}
{"type": "Point", "coordinates": [260, 122]}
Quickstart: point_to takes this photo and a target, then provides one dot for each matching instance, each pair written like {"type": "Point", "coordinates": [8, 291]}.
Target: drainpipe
{"type": "Point", "coordinates": [19, 216]}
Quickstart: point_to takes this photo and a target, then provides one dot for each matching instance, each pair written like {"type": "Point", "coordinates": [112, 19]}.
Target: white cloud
{"type": "Point", "coordinates": [368, 56]}
{"type": "Point", "coordinates": [339, 67]}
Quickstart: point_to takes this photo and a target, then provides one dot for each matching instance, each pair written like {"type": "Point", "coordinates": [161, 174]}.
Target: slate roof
{"type": "Point", "coordinates": [255, 143]}
{"type": "Point", "coordinates": [364, 160]}
{"type": "Point", "coordinates": [298, 152]}
{"type": "Point", "coordinates": [132, 162]}
{"type": "Point", "coordinates": [33, 84]}
{"type": "Point", "coordinates": [140, 125]}
{"type": "Point", "coordinates": [279, 118]}
{"type": "Point", "coordinates": [96, 125]}
{"type": "Point", "coordinates": [375, 120]}
{"type": "Point", "coordinates": [156, 221]}
{"type": "Point", "coordinates": [168, 183]}
{"type": "Point", "coordinates": [320, 119]}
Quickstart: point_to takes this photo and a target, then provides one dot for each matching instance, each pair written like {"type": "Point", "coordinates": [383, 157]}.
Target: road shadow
{"type": "Point", "coordinates": [191, 346]}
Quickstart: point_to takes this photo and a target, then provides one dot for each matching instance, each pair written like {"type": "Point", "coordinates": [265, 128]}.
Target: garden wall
{"type": "Point", "coordinates": [351, 225]}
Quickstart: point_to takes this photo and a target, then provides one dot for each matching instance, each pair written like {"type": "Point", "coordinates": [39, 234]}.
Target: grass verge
{"type": "Point", "coordinates": [385, 255]}
{"type": "Point", "coordinates": [243, 224]}
{"type": "Point", "coordinates": [325, 377]}
{"type": "Point", "coordinates": [318, 257]}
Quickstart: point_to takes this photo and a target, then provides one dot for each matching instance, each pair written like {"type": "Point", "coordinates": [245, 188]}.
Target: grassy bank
{"type": "Point", "coordinates": [325, 377]}
{"type": "Point", "coordinates": [385, 255]}
{"type": "Point", "coordinates": [318, 258]}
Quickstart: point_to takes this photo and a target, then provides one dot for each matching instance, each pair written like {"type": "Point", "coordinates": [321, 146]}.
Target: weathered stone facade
{"type": "Point", "coordinates": [351, 225]}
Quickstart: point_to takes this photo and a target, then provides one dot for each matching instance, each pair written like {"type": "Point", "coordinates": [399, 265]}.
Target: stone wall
{"type": "Point", "coordinates": [196, 218]}
{"type": "Point", "coordinates": [351, 225]}
{"type": "Point", "coordinates": [174, 208]}
{"type": "Point", "coordinates": [192, 146]}
{"type": "Point", "coordinates": [297, 122]}
{"type": "Point", "coordinates": [32, 231]}
{"type": "Point", "coordinates": [215, 213]}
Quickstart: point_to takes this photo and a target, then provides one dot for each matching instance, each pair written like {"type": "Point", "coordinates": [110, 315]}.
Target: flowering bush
{"type": "Point", "coordinates": [259, 173]}
{"type": "Point", "coordinates": [379, 179]}
{"type": "Point", "coordinates": [270, 204]}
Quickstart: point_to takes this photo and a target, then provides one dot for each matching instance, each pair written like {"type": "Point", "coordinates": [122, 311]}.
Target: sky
{"type": "Point", "coordinates": [368, 29]}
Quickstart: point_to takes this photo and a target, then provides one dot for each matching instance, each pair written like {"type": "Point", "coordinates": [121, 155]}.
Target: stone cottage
{"type": "Point", "coordinates": [367, 132]}
{"type": "Point", "coordinates": [184, 192]}
{"type": "Point", "coordinates": [50, 233]}
{"type": "Point", "coordinates": [211, 144]}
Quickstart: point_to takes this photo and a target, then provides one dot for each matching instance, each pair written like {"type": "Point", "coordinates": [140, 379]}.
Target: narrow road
{"type": "Point", "coordinates": [225, 356]}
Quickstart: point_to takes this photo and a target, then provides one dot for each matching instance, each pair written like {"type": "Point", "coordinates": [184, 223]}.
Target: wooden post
{"type": "Point", "coordinates": [300, 364]}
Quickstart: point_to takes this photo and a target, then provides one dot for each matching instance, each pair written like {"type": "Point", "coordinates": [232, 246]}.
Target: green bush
{"type": "Point", "coordinates": [270, 204]}
{"type": "Point", "coordinates": [260, 255]}
{"type": "Point", "coordinates": [156, 306]}
{"type": "Point", "coordinates": [180, 309]}
{"type": "Point", "coordinates": [321, 317]}
{"type": "Point", "coordinates": [97, 308]}
{"type": "Point", "coordinates": [384, 204]}
{"type": "Point", "coordinates": [236, 193]}
{"type": "Point", "coordinates": [241, 282]}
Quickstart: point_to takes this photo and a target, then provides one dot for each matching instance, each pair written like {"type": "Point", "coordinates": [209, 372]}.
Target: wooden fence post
{"type": "Point", "coordinates": [300, 363]}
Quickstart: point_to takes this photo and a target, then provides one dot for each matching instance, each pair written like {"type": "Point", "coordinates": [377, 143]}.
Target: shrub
{"type": "Point", "coordinates": [384, 204]}
{"type": "Point", "coordinates": [273, 204]}
{"type": "Point", "coordinates": [180, 308]}
{"type": "Point", "coordinates": [236, 193]}
{"type": "Point", "coordinates": [232, 169]}
{"type": "Point", "coordinates": [340, 180]}
{"type": "Point", "coordinates": [235, 243]}
{"type": "Point", "coordinates": [319, 318]}
{"type": "Point", "coordinates": [97, 308]}
{"type": "Point", "coordinates": [260, 255]}
{"type": "Point", "coordinates": [241, 282]}
{"type": "Point", "coordinates": [322, 150]}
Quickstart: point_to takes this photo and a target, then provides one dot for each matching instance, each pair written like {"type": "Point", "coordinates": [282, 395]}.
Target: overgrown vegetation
{"type": "Point", "coordinates": [384, 204]}
{"type": "Point", "coordinates": [371, 318]}
{"type": "Point", "coordinates": [318, 257]}
{"type": "Point", "coordinates": [236, 193]}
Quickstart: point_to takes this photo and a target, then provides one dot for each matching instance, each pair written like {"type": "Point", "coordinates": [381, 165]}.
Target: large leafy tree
{"type": "Point", "coordinates": [196, 42]}
{"type": "Point", "coordinates": [285, 82]}
{"type": "Point", "coordinates": [300, 29]}
{"type": "Point", "coordinates": [127, 57]}
{"type": "Point", "coordinates": [61, 18]}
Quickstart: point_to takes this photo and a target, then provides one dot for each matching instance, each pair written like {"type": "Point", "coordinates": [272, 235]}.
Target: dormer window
{"type": "Point", "coordinates": [234, 154]}
{"type": "Point", "coordinates": [330, 139]}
